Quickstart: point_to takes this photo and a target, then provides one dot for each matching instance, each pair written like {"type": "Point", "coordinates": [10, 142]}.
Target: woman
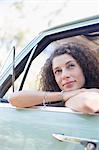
{"type": "Point", "coordinates": [70, 76]}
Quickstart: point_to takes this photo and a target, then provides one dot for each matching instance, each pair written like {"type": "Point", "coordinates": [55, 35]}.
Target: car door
{"type": "Point", "coordinates": [44, 128]}
{"type": "Point", "coordinates": [47, 128]}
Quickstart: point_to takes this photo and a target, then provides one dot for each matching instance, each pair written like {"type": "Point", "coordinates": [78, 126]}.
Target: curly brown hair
{"type": "Point", "coordinates": [84, 56]}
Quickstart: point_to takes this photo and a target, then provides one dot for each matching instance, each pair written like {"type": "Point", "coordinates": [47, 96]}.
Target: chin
{"type": "Point", "coordinates": [71, 89]}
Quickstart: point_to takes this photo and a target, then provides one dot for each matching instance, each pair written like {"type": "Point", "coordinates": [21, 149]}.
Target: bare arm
{"type": "Point", "coordinates": [87, 102]}
{"type": "Point", "coordinates": [30, 98]}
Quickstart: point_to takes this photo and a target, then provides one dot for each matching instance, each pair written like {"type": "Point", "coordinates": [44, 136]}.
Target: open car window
{"type": "Point", "coordinates": [32, 79]}
{"type": "Point", "coordinates": [40, 48]}
{"type": "Point", "coordinates": [33, 76]}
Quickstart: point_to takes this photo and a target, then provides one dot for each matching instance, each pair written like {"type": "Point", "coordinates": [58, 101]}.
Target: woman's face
{"type": "Point", "coordinates": [68, 74]}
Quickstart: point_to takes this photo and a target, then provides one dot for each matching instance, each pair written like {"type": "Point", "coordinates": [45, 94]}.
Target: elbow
{"type": "Point", "coordinates": [89, 107]}
{"type": "Point", "coordinates": [18, 100]}
{"type": "Point", "coordinates": [88, 110]}
{"type": "Point", "coordinates": [91, 103]}
{"type": "Point", "coordinates": [14, 101]}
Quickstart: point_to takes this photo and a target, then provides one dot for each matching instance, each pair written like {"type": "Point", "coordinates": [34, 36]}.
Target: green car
{"type": "Point", "coordinates": [46, 127]}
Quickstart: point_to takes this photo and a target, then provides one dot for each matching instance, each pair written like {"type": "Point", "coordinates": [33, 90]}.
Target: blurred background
{"type": "Point", "coordinates": [22, 20]}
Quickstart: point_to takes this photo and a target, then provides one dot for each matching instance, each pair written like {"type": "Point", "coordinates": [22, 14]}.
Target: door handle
{"type": "Point", "coordinates": [89, 144]}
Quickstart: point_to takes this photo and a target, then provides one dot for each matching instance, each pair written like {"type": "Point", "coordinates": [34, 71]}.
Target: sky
{"type": "Point", "coordinates": [36, 16]}
{"type": "Point", "coordinates": [29, 17]}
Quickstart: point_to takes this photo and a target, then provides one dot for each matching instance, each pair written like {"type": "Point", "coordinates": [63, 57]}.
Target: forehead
{"type": "Point", "coordinates": [62, 59]}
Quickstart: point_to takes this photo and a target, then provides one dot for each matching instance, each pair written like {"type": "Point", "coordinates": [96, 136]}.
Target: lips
{"type": "Point", "coordinates": [68, 84]}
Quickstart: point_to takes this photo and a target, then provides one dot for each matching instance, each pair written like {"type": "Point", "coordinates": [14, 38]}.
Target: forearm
{"type": "Point", "coordinates": [30, 98]}
{"type": "Point", "coordinates": [87, 102]}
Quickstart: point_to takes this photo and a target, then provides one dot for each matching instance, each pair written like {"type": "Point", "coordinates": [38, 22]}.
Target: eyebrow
{"type": "Point", "coordinates": [69, 62]}
{"type": "Point", "coordinates": [65, 64]}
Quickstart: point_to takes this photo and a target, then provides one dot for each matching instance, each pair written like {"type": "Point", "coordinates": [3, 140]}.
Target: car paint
{"type": "Point", "coordinates": [33, 128]}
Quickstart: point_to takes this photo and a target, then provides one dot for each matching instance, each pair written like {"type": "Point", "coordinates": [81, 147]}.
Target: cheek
{"type": "Point", "coordinates": [80, 77]}
{"type": "Point", "coordinates": [83, 80]}
{"type": "Point", "coordinates": [57, 79]}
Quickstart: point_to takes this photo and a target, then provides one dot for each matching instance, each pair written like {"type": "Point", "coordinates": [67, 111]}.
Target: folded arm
{"type": "Point", "coordinates": [31, 98]}
{"type": "Point", "coordinates": [87, 102]}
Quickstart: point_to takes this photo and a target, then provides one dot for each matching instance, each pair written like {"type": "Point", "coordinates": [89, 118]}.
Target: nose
{"type": "Point", "coordinates": [65, 74]}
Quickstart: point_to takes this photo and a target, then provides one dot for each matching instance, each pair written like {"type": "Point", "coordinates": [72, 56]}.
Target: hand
{"type": "Point", "coordinates": [70, 94]}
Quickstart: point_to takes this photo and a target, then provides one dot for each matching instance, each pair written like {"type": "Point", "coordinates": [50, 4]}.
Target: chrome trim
{"type": "Point", "coordinates": [89, 144]}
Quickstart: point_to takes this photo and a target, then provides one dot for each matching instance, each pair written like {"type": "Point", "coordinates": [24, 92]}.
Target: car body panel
{"type": "Point", "coordinates": [33, 128]}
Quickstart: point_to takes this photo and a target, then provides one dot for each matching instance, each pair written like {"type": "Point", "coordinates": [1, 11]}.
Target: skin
{"type": "Point", "coordinates": [87, 102]}
{"type": "Point", "coordinates": [69, 77]}
{"type": "Point", "coordinates": [67, 72]}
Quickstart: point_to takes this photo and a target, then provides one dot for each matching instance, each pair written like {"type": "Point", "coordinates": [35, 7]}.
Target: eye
{"type": "Point", "coordinates": [70, 66]}
{"type": "Point", "coordinates": [57, 71]}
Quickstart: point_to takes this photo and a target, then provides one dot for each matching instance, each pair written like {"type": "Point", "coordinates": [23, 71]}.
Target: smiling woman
{"type": "Point", "coordinates": [68, 69]}
{"type": "Point", "coordinates": [67, 72]}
